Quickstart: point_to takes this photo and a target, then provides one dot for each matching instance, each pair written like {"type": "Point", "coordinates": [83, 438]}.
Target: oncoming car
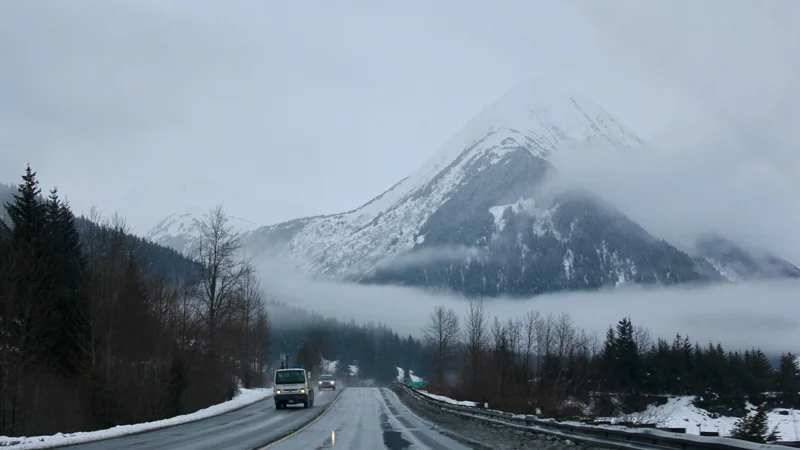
{"type": "Point", "coordinates": [293, 387]}
{"type": "Point", "coordinates": [327, 382]}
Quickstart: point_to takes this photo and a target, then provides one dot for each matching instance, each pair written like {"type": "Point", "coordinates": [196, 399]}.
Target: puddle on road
{"type": "Point", "coordinates": [392, 439]}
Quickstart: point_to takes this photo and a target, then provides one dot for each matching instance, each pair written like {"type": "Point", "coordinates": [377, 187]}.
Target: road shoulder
{"type": "Point", "coordinates": [481, 434]}
{"type": "Point", "coordinates": [245, 398]}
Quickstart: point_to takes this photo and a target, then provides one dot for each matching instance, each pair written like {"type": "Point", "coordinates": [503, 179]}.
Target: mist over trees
{"type": "Point", "coordinates": [99, 328]}
{"type": "Point", "coordinates": [547, 363]}
{"type": "Point", "coordinates": [307, 338]}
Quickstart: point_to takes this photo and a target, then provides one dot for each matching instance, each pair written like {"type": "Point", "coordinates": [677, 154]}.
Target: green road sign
{"type": "Point", "coordinates": [414, 384]}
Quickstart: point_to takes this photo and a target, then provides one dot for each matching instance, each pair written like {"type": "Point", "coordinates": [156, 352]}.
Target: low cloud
{"type": "Point", "coordinates": [765, 315]}
{"type": "Point", "coordinates": [705, 179]}
{"type": "Point", "coordinates": [428, 255]}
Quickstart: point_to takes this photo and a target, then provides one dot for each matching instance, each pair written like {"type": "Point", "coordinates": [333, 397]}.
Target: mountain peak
{"type": "Point", "coordinates": [534, 116]}
{"type": "Point", "coordinates": [551, 117]}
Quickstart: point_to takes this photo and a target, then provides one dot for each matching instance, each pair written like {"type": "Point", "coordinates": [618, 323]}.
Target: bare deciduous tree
{"type": "Point", "coordinates": [475, 329]}
{"type": "Point", "coordinates": [441, 338]}
{"type": "Point", "coordinates": [222, 271]}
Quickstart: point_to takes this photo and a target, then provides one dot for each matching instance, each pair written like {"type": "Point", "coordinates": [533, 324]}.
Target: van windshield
{"type": "Point", "coordinates": [290, 377]}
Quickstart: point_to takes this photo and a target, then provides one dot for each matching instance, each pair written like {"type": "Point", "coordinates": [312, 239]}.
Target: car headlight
{"type": "Point", "coordinates": [320, 382]}
{"type": "Point", "coordinates": [302, 391]}
{"type": "Point", "coordinates": [333, 381]}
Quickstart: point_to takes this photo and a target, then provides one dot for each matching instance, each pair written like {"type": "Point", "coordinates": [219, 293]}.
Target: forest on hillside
{"type": "Point", "coordinates": [99, 328]}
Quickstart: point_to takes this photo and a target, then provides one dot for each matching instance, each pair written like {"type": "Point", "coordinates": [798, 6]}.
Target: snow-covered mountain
{"type": "Point", "coordinates": [182, 231]}
{"type": "Point", "coordinates": [476, 218]}
{"type": "Point", "coordinates": [487, 215]}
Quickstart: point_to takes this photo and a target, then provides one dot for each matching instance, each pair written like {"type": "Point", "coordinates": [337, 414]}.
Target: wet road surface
{"type": "Point", "coordinates": [368, 419]}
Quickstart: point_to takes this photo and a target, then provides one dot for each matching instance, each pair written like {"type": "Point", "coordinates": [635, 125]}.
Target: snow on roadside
{"type": "Point", "coordinates": [679, 412]}
{"type": "Point", "coordinates": [244, 398]}
{"type": "Point", "coordinates": [449, 400]}
{"type": "Point", "coordinates": [401, 375]}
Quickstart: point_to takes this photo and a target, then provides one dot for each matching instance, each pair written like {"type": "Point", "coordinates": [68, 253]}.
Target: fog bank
{"type": "Point", "coordinates": [765, 315]}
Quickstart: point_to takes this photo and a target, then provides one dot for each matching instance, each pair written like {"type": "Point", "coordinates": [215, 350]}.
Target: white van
{"type": "Point", "coordinates": [292, 387]}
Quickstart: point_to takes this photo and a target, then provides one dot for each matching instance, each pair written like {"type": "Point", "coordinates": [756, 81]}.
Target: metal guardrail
{"type": "Point", "coordinates": [609, 436]}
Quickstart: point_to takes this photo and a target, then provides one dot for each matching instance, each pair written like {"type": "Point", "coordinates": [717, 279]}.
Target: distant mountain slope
{"type": "Point", "coordinates": [486, 215]}
{"type": "Point", "coordinates": [182, 232]}
{"type": "Point", "coordinates": [735, 263]}
{"type": "Point", "coordinates": [160, 259]}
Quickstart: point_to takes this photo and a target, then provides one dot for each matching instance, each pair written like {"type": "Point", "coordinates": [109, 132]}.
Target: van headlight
{"type": "Point", "coordinates": [277, 391]}
{"type": "Point", "coordinates": [320, 382]}
{"type": "Point", "coordinates": [302, 391]}
{"type": "Point", "coordinates": [333, 381]}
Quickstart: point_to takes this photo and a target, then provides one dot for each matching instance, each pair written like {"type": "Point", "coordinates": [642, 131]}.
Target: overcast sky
{"type": "Point", "coordinates": [282, 109]}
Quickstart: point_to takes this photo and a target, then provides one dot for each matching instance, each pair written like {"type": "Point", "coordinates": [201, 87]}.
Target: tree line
{"type": "Point", "coordinates": [375, 348]}
{"type": "Point", "coordinates": [546, 362]}
{"type": "Point", "coordinates": [99, 328]}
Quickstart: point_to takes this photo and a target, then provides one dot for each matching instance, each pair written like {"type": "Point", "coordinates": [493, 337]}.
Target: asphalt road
{"type": "Point", "coordinates": [243, 429]}
{"type": "Point", "coordinates": [368, 419]}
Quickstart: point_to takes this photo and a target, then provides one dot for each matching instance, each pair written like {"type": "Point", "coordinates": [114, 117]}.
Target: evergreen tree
{"type": "Point", "coordinates": [752, 428]}
{"type": "Point", "coordinates": [774, 436]}
{"type": "Point", "coordinates": [788, 380]}
{"type": "Point", "coordinates": [627, 361]}
{"type": "Point", "coordinates": [26, 211]}
{"type": "Point", "coordinates": [608, 361]}
{"type": "Point", "coordinates": [69, 323]}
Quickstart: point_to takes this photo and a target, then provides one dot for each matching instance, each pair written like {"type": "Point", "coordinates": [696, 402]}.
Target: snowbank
{"type": "Point", "coordinates": [679, 412]}
{"type": "Point", "coordinates": [449, 400]}
{"type": "Point", "coordinates": [245, 397]}
{"type": "Point", "coordinates": [401, 375]}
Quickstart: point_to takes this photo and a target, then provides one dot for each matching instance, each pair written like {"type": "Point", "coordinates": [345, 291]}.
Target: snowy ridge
{"type": "Point", "coordinates": [182, 231]}
{"type": "Point", "coordinates": [535, 117]}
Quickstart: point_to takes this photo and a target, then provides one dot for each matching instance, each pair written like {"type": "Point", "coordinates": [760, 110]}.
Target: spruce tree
{"type": "Point", "coordinates": [627, 361]}
{"type": "Point", "coordinates": [26, 211]}
{"type": "Point", "coordinates": [774, 436]}
{"type": "Point", "coordinates": [70, 325]}
{"type": "Point", "coordinates": [788, 381]}
{"type": "Point", "coordinates": [608, 361]}
{"type": "Point", "coordinates": [752, 428]}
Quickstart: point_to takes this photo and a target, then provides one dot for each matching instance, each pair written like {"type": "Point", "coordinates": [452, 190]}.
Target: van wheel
{"type": "Point", "coordinates": [305, 404]}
